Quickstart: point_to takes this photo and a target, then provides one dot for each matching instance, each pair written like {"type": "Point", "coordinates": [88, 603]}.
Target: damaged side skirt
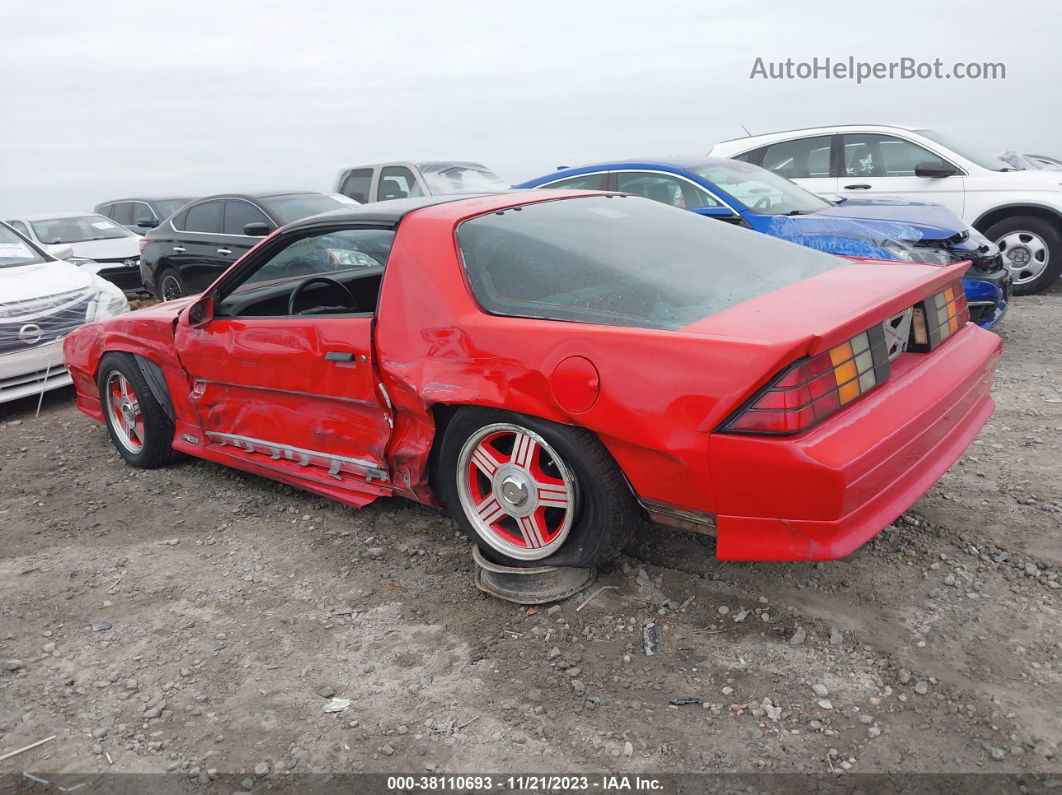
{"type": "Point", "coordinates": [671, 516]}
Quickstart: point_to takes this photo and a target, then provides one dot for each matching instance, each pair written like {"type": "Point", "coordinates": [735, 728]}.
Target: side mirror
{"type": "Point", "coordinates": [201, 312]}
{"type": "Point", "coordinates": [145, 223]}
{"type": "Point", "coordinates": [61, 252]}
{"type": "Point", "coordinates": [257, 229]}
{"type": "Point", "coordinates": [722, 213]}
{"type": "Point", "coordinates": [935, 171]}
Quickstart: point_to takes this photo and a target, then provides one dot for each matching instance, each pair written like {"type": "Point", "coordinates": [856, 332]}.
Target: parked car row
{"type": "Point", "coordinates": [747, 195]}
{"type": "Point", "coordinates": [1019, 210]}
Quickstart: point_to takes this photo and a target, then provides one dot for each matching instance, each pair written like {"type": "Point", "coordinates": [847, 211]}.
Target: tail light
{"type": "Point", "coordinates": [812, 389]}
{"type": "Point", "coordinates": [938, 317]}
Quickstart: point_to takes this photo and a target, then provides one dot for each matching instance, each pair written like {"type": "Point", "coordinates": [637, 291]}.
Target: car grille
{"type": "Point", "coordinates": [38, 321]}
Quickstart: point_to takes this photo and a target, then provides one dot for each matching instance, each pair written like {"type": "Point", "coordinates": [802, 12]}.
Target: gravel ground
{"type": "Point", "coordinates": [199, 620]}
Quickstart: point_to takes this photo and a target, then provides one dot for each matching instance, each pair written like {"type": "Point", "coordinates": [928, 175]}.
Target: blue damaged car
{"type": "Point", "coordinates": [747, 195]}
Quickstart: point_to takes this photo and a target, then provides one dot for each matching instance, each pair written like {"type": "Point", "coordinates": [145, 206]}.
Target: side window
{"type": "Point", "coordinates": [664, 188]}
{"type": "Point", "coordinates": [205, 217]}
{"type": "Point", "coordinates": [582, 182]}
{"type": "Point", "coordinates": [342, 250]}
{"type": "Point", "coordinates": [397, 182]}
{"type": "Point", "coordinates": [240, 213]}
{"type": "Point", "coordinates": [122, 213]}
{"type": "Point", "coordinates": [140, 211]}
{"type": "Point", "coordinates": [106, 210]}
{"type": "Point", "coordinates": [20, 227]}
{"type": "Point", "coordinates": [755, 156]}
{"type": "Point", "coordinates": [356, 185]}
{"type": "Point", "coordinates": [869, 155]}
{"type": "Point", "coordinates": [801, 159]}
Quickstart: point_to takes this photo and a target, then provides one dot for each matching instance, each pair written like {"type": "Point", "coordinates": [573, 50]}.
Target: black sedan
{"type": "Point", "coordinates": [187, 252]}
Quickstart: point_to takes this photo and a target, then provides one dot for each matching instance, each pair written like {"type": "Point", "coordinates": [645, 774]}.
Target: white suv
{"type": "Point", "coordinates": [1019, 210]}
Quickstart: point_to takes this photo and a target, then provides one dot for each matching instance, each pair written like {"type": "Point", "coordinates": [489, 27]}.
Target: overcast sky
{"type": "Point", "coordinates": [102, 99]}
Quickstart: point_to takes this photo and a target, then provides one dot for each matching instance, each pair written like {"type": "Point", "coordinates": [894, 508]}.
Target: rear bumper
{"type": "Point", "coordinates": [821, 495]}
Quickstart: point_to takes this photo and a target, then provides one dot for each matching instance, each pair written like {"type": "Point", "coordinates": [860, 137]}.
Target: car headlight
{"type": "Point", "coordinates": [929, 255]}
{"type": "Point", "coordinates": [110, 301]}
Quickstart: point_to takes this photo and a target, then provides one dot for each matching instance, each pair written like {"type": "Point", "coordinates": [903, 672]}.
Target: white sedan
{"type": "Point", "coordinates": [42, 299]}
{"type": "Point", "coordinates": [98, 244]}
{"type": "Point", "coordinates": [1020, 210]}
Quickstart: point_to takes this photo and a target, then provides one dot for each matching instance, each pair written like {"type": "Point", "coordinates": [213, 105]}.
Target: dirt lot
{"type": "Point", "coordinates": [194, 618]}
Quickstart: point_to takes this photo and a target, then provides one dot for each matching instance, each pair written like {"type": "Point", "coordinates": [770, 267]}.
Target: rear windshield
{"type": "Point", "coordinates": [296, 206]}
{"type": "Point", "coordinates": [168, 207]}
{"type": "Point", "coordinates": [623, 261]}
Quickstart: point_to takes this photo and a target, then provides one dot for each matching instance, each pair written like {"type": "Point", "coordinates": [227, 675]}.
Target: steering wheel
{"type": "Point", "coordinates": [762, 204]}
{"type": "Point", "coordinates": [348, 298]}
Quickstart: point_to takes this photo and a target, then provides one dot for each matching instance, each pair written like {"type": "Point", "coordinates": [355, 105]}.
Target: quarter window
{"type": "Point", "coordinates": [397, 182]}
{"type": "Point", "coordinates": [205, 217]}
{"type": "Point", "coordinates": [665, 189]}
{"type": "Point", "coordinates": [20, 227]}
{"type": "Point", "coordinates": [356, 185]}
{"type": "Point", "coordinates": [582, 182]}
{"type": "Point", "coordinates": [240, 213]}
{"type": "Point", "coordinates": [804, 158]}
{"type": "Point", "coordinates": [869, 155]}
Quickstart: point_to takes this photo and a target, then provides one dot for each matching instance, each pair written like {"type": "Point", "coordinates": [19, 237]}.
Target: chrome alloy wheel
{"type": "Point", "coordinates": [516, 491]}
{"type": "Point", "coordinates": [1025, 254]}
{"type": "Point", "coordinates": [171, 288]}
{"type": "Point", "coordinates": [123, 411]}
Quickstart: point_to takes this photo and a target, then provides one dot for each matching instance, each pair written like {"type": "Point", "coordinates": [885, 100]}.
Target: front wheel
{"type": "Point", "coordinates": [532, 492]}
{"type": "Point", "coordinates": [138, 426]}
{"type": "Point", "coordinates": [1032, 252]}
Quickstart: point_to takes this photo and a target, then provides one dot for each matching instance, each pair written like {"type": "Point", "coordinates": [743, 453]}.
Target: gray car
{"type": "Point", "coordinates": [403, 179]}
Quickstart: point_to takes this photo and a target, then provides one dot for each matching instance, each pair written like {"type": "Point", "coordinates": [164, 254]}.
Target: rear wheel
{"type": "Point", "coordinates": [1032, 252]}
{"type": "Point", "coordinates": [171, 286]}
{"type": "Point", "coordinates": [137, 424]}
{"type": "Point", "coordinates": [532, 492]}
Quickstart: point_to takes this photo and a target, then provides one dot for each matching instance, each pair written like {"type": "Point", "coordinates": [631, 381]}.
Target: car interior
{"type": "Point", "coordinates": [333, 273]}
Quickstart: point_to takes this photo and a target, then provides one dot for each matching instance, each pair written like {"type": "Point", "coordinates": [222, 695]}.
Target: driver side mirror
{"type": "Point", "coordinates": [257, 229]}
{"type": "Point", "coordinates": [145, 223]}
{"type": "Point", "coordinates": [935, 171]}
{"type": "Point", "coordinates": [61, 252]}
{"type": "Point", "coordinates": [722, 213]}
{"type": "Point", "coordinates": [201, 312]}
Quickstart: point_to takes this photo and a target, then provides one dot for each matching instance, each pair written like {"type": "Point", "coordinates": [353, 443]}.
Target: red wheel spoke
{"type": "Point", "coordinates": [550, 496]}
{"type": "Point", "coordinates": [486, 459]}
{"type": "Point", "coordinates": [532, 533]}
{"type": "Point", "coordinates": [524, 449]}
{"type": "Point", "coordinates": [490, 510]}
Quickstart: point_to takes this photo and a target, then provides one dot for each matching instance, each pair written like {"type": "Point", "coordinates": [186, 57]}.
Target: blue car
{"type": "Point", "coordinates": [747, 195]}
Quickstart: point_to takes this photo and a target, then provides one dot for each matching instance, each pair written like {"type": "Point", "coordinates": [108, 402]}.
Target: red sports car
{"type": "Point", "coordinates": [557, 367]}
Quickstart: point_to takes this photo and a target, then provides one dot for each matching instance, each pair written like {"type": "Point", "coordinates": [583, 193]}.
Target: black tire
{"type": "Point", "coordinates": [176, 285]}
{"type": "Point", "coordinates": [156, 448]}
{"type": "Point", "coordinates": [1052, 240]}
{"type": "Point", "coordinates": [605, 516]}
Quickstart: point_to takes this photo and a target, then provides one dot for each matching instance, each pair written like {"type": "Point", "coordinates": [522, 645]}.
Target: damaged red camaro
{"type": "Point", "coordinates": [557, 368]}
